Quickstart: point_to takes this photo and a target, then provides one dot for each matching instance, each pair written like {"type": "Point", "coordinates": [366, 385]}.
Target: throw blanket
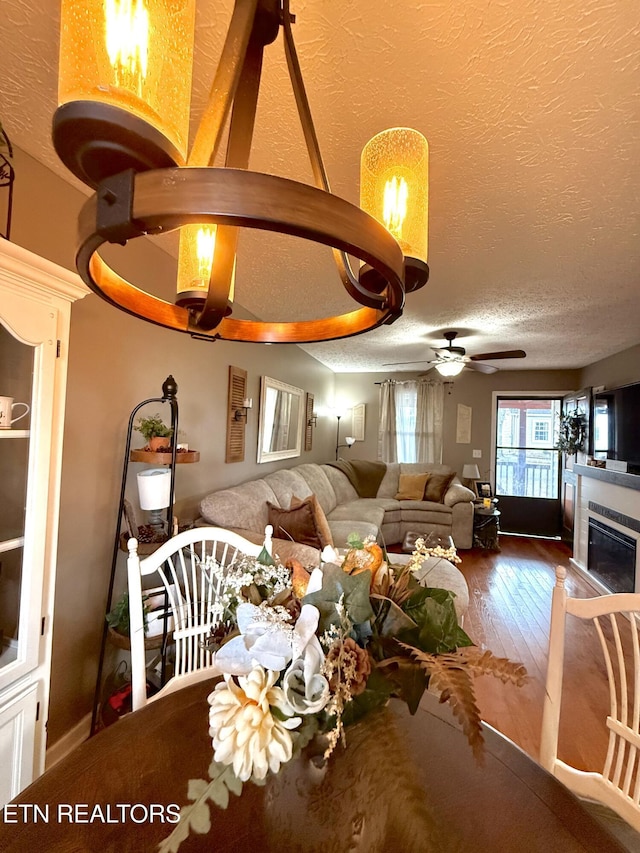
{"type": "Point", "coordinates": [364, 476]}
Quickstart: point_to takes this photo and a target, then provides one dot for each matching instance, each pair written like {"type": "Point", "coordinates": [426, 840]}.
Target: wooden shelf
{"type": "Point", "coordinates": [144, 548]}
{"type": "Point", "coordinates": [163, 458]}
{"type": "Point", "coordinates": [123, 642]}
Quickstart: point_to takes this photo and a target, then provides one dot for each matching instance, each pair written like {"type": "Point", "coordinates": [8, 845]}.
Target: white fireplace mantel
{"type": "Point", "coordinates": [605, 495]}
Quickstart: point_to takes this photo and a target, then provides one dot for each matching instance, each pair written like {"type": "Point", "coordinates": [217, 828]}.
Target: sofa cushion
{"type": "Point", "coordinates": [286, 483]}
{"type": "Point", "coordinates": [437, 485]}
{"type": "Point", "coordinates": [341, 530]}
{"type": "Point", "coordinates": [319, 484]}
{"type": "Point", "coordinates": [411, 487]}
{"type": "Point", "coordinates": [320, 518]}
{"type": "Point", "coordinates": [457, 493]}
{"type": "Point", "coordinates": [343, 489]}
{"type": "Point", "coordinates": [389, 485]}
{"type": "Point", "coordinates": [425, 512]}
{"type": "Point", "coordinates": [363, 509]}
{"type": "Point", "coordinates": [297, 524]}
{"type": "Point", "coordinates": [241, 506]}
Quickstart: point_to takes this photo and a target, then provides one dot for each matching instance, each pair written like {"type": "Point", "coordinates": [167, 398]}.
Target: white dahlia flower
{"type": "Point", "coordinates": [244, 732]}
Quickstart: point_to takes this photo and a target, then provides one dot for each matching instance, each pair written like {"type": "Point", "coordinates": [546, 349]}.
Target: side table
{"type": "Point", "coordinates": [486, 526]}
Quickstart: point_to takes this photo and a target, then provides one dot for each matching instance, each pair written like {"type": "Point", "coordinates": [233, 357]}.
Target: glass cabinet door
{"type": "Point", "coordinates": [27, 362]}
{"type": "Point", "coordinates": [16, 383]}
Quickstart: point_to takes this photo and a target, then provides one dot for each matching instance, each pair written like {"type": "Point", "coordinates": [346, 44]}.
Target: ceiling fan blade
{"type": "Point", "coordinates": [399, 363]}
{"type": "Point", "coordinates": [482, 368]}
{"type": "Point", "coordinates": [508, 353]}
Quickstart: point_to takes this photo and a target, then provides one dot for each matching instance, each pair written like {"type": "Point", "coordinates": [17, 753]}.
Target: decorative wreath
{"type": "Point", "coordinates": [572, 432]}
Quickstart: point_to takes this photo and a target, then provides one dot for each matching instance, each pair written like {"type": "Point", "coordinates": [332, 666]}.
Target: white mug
{"type": "Point", "coordinates": [6, 410]}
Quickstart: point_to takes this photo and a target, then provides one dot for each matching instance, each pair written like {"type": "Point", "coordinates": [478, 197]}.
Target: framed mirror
{"type": "Point", "coordinates": [281, 419]}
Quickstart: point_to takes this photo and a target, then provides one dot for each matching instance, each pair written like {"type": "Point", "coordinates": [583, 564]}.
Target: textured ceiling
{"type": "Point", "coordinates": [532, 112]}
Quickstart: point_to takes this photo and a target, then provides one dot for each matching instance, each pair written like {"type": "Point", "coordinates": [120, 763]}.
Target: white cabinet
{"type": "Point", "coordinates": [35, 307]}
{"type": "Point", "coordinates": [17, 741]}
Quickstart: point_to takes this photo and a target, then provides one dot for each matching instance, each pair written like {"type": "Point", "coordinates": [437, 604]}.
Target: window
{"type": "Point", "coordinates": [406, 406]}
{"type": "Point", "coordinates": [541, 431]}
{"type": "Point", "coordinates": [410, 425]}
{"type": "Point", "coordinates": [526, 463]}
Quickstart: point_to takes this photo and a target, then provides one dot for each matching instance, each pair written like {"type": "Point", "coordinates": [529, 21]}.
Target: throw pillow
{"type": "Point", "coordinates": [411, 487]}
{"type": "Point", "coordinates": [298, 525]}
{"type": "Point", "coordinates": [437, 485]}
{"type": "Point", "coordinates": [322, 524]}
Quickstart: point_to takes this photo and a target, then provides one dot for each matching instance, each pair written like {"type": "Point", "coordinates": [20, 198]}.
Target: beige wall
{"type": "Point", "coordinates": [115, 362]}
{"type": "Point", "coordinates": [619, 369]}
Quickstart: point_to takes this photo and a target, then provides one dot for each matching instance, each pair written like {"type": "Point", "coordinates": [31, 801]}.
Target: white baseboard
{"type": "Point", "coordinates": [68, 742]}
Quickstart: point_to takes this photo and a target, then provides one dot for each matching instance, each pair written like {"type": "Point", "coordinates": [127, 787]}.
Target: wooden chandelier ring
{"type": "Point", "coordinates": [165, 199]}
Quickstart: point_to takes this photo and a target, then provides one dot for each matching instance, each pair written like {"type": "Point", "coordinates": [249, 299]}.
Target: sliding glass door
{"type": "Point", "coordinates": [527, 468]}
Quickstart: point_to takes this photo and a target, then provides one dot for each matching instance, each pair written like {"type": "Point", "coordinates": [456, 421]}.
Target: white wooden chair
{"type": "Point", "coordinates": [191, 594]}
{"type": "Point", "coordinates": [615, 620]}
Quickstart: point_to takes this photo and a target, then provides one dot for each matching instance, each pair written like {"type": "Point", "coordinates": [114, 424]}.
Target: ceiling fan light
{"type": "Point", "coordinates": [450, 368]}
{"type": "Point", "coordinates": [124, 63]}
{"type": "Point", "coordinates": [394, 187]}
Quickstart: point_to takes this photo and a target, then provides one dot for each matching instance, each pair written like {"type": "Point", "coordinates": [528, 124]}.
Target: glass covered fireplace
{"type": "Point", "coordinates": [612, 557]}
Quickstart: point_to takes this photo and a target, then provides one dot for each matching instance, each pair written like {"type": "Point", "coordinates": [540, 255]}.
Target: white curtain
{"type": "Point", "coordinates": [387, 441]}
{"type": "Point", "coordinates": [429, 421]}
{"type": "Point", "coordinates": [411, 421]}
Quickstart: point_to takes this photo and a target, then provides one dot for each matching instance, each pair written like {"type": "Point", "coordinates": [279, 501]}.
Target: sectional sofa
{"type": "Point", "coordinates": [245, 508]}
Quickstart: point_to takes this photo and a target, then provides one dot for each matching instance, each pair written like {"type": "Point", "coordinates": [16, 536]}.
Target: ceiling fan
{"type": "Point", "coordinates": [450, 360]}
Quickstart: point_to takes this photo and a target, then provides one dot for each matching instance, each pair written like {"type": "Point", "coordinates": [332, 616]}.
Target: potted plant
{"type": "Point", "coordinates": [156, 433]}
{"type": "Point", "coordinates": [154, 613]}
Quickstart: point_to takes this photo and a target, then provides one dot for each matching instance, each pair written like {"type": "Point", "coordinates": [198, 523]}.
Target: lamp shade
{"type": "Point", "coordinates": [126, 65]}
{"type": "Point", "coordinates": [195, 260]}
{"type": "Point", "coordinates": [154, 488]}
{"type": "Point", "coordinates": [471, 472]}
{"type": "Point", "coordinates": [449, 368]}
{"type": "Point", "coordinates": [394, 187]}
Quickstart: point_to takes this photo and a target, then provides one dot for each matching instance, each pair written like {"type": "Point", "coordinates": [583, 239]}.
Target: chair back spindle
{"type": "Point", "coordinates": [193, 568]}
{"type": "Point", "coordinates": [614, 618]}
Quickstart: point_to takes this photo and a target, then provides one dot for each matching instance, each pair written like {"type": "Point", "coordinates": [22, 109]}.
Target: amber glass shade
{"type": "Point", "coordinates": [195, 257]}
{"type": "Point", "coordinates": [394, 186]}
{"type": "Point", "coordinates": [133, 54]}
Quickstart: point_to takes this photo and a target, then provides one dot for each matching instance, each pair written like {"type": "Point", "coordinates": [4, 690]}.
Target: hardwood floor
{"type": "Point", "coordinates": [509, 613]}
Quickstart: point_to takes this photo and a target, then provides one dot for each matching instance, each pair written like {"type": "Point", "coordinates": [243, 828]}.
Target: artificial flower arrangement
{"type": "Point", "coordinates": [305, 654]}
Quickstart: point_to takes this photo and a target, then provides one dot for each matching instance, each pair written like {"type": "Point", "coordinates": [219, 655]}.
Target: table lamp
{"type": "Point", "coordinates": [154, 491]}
{"type": "Point", "coordinates": [471, 473]}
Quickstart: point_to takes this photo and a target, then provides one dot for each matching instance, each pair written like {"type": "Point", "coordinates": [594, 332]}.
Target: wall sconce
{"type": "Point", "coordinates": [241, 412]}
{"type": "Point", "coordinates": [313, 420]}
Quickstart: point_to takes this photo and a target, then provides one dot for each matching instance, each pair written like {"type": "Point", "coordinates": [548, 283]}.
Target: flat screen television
{"type": "Point", "coordinates": [616, 425]}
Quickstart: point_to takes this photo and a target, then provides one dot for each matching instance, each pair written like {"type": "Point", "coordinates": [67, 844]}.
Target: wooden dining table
{"type": "Point", "coordinates": [403, 784]}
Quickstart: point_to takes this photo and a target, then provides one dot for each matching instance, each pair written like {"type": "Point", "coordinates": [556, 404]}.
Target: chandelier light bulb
{"type": "Point", "coordinates": [395, 206]}
{"type": "Point", "coordinates": [205, 246]}
{"type": "Point", "coordinates": [127, 41]}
